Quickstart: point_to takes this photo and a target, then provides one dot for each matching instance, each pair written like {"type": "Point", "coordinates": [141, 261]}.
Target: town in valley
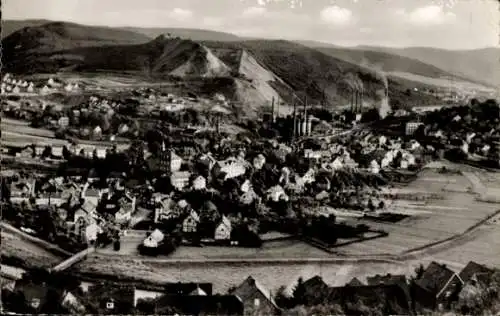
{"type": "Point", "coordinates": [182, 169]}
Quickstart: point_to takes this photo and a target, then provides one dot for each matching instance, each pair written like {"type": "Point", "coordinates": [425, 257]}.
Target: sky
{"type": "Point", "coordinates": [450, 24]}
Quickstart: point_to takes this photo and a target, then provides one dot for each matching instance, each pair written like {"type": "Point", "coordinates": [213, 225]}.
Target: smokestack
{"type": "Point", "coordinates": [294, 118]}
{"type": "Point", "coordinates": [353, 100]}
{"type": "Point", "coordinates": [309, 125]}
{"type": "Point", "coordinates": [272, 110]}
{"type": "Point", "coordinates": [278, 108]}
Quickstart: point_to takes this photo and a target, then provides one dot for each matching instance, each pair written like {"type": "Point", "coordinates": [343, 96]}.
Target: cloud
{"type": "Point", "coordinates": [336, 15]}
{"type": "Point", "coordinates": [254, 12]}
{"type": "Point", "coordinates": [427, 16]}
{"type": "Point", "coordinates": [180, 14]}
{"type": "Point", "coordinates": [211, 21]}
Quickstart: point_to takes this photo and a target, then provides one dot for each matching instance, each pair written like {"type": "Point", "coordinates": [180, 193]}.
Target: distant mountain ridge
{"type": "Point", "coordinates": [256, 71]}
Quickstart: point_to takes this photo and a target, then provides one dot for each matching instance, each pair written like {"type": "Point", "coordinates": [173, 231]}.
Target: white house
{"type": "Point", "coordinates": [16, 89]}
{"type": "Point", "coordinates": [223, 230]}
{"type": "Point", "coordinates": [45, 90]}
{"type": "Point", "coordinates": [190, 223]}
{"type": "Point", "coordinates": [97, 132]}
{"type": "Point", "coordinates": [124, 215]}
{"type": "Point", "coordinates": [259, 161]}
{"type": "Point", "coordinates": [175, 162]}
{"type": "Point", "coordinates": [123, 128]}
{"type": "Point", "coordinates": [276, 193]}
{"type": "Point", "coordinates": [199, 183]}
{"type": "Point", "coordinates": [91, 232]}
{"type": "Point", "coordinates": [232, 168]}
{"type": "Point", "coordinates": [374, 167]}
{"type": "Point", "coordinates": [180, 179]}
{"type": "Point", "coordinates": [154, 239]}
{"type": "Point", "coordinates": [145, 294]}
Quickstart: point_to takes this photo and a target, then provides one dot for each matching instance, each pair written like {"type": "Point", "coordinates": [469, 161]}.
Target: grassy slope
{"type": "Point", "coordinates": [481, 65]}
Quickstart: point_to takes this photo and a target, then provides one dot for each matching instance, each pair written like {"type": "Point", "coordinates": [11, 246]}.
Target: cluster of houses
{"type": "Point", "coordinates": [12, 85]}
{"type": "Point", "coordinates": [92, 296]}
{"type": "Point", "coordinates": [84, 210]}
{"type": "Point", "coordinates": [436, 288]}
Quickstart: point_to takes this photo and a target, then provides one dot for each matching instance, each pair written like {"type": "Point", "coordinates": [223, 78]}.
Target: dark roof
{"type": "Point", "coordinates": [355, 282]}
{"type": "Point", "coordinates": [315, 282]}
{"type": "Point", "coordinates": [435, 277]}
{"type": "Point", "coordinates": [386, 279]}
{"type": "Point", "coordinates": [372, 296]}
{"type": "Point", "coordinates": [32, 291]}
{"type": "Point", "coordinates": [176, 288]}
{"type": "Point", "coordinates": [246, 289]}
{"type": "Point", "coordinates": [200, 304]}
{"type": "Point", "coordinates": [473, 268]}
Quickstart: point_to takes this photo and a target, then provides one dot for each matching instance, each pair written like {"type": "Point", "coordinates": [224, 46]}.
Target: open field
{"type": "Point", "coordinates": [270, 250]}
{"type": "Point", "coordinates": [22, 127]}
{"type": "Point", "coordinates": [32, 255]}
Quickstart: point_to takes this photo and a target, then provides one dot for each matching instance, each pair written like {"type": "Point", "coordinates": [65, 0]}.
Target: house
{"type": "Point", "coordinates": [355, 282]}
{"type": "Point", "coordinates": [276, 193]}
{"type": "Point", "coordinates": [35, 295]}
{"type": "Point", "coordinates": [30, 88]}
{"type": "Point", "coordinates": [175, 162]}
{"type": "Point", "coordinates": [190, 223]}
{"type": "Point", "coordinates": [314, 288]}
{"type": "Point", "coordinates": [198, 292]}
{"type": "Point", "coordinates": [259, 161]}
{"type": "Point", "coordinates": [474, 269]}
{"type": "Point", "coordinates": [411, 127]}
{"type": "Point", "coordinates": [392, 297]}
{"type": "Point", "coordinates": [45, 90]}
{"type": "Point", "coordinates": [114, 299]}
{"type": "Point", "coordinates": [208, 160]}
{"type": "Point", "coordinates": [72, 304]}
{"type": "Point", "coordinates": [141, 294]}
{"type": "Point", "coordinates": [199, 183]}
{"type": "Point", "coordinates": [63, 121]}
{"type": "Point", "coordinates": [90, 194]}
{"type": "Point", "coordinates": [223, 230]}
{"type": "Point", "coordinates": [231, 167]}
{"type": "Point", "coordinates": [16, 90]}
{"type": "Point", "coordinates": [180, 179]}
{"type": "Point", "coordinates": [97, 132]}
{"type": "Point", "coordinates": [166, 210]}
{"type": "Point", "coordinates": [437, 284]}
{"type": "Point", "coordinates": [91, 232]}
{"type": "Point", "coordinates": [124, 215]}
{"type": "Point", "coordinates": [9, 276]}
{"type": "Point", "coordinates": [154, 239]}
{"type": "Point", "coordinates": [123, 128]}
{"type": "Point", "coordinates": [256, 299]}
{"type": "Point", "coordinates": [222, 305]}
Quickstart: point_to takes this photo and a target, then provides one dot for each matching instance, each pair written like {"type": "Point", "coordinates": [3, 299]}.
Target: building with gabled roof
{"type": "Point", "coordinates": [256, 299]}
{"type": "Point", "coordinates": [223, 230]}
{"type": "Point", "coordinates": [437, 284]}
{"type": "Point", "coordinates": [473, 268]}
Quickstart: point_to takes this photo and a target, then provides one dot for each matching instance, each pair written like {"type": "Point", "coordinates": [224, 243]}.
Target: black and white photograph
{"type": "Point", "coordinates": [250, 157]}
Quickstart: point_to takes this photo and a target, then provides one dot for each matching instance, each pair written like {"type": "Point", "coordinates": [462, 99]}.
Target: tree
{"type": "Point", "coordinates": [47, 152]}
{"type": "Point", "coordinates": [299, 292]}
